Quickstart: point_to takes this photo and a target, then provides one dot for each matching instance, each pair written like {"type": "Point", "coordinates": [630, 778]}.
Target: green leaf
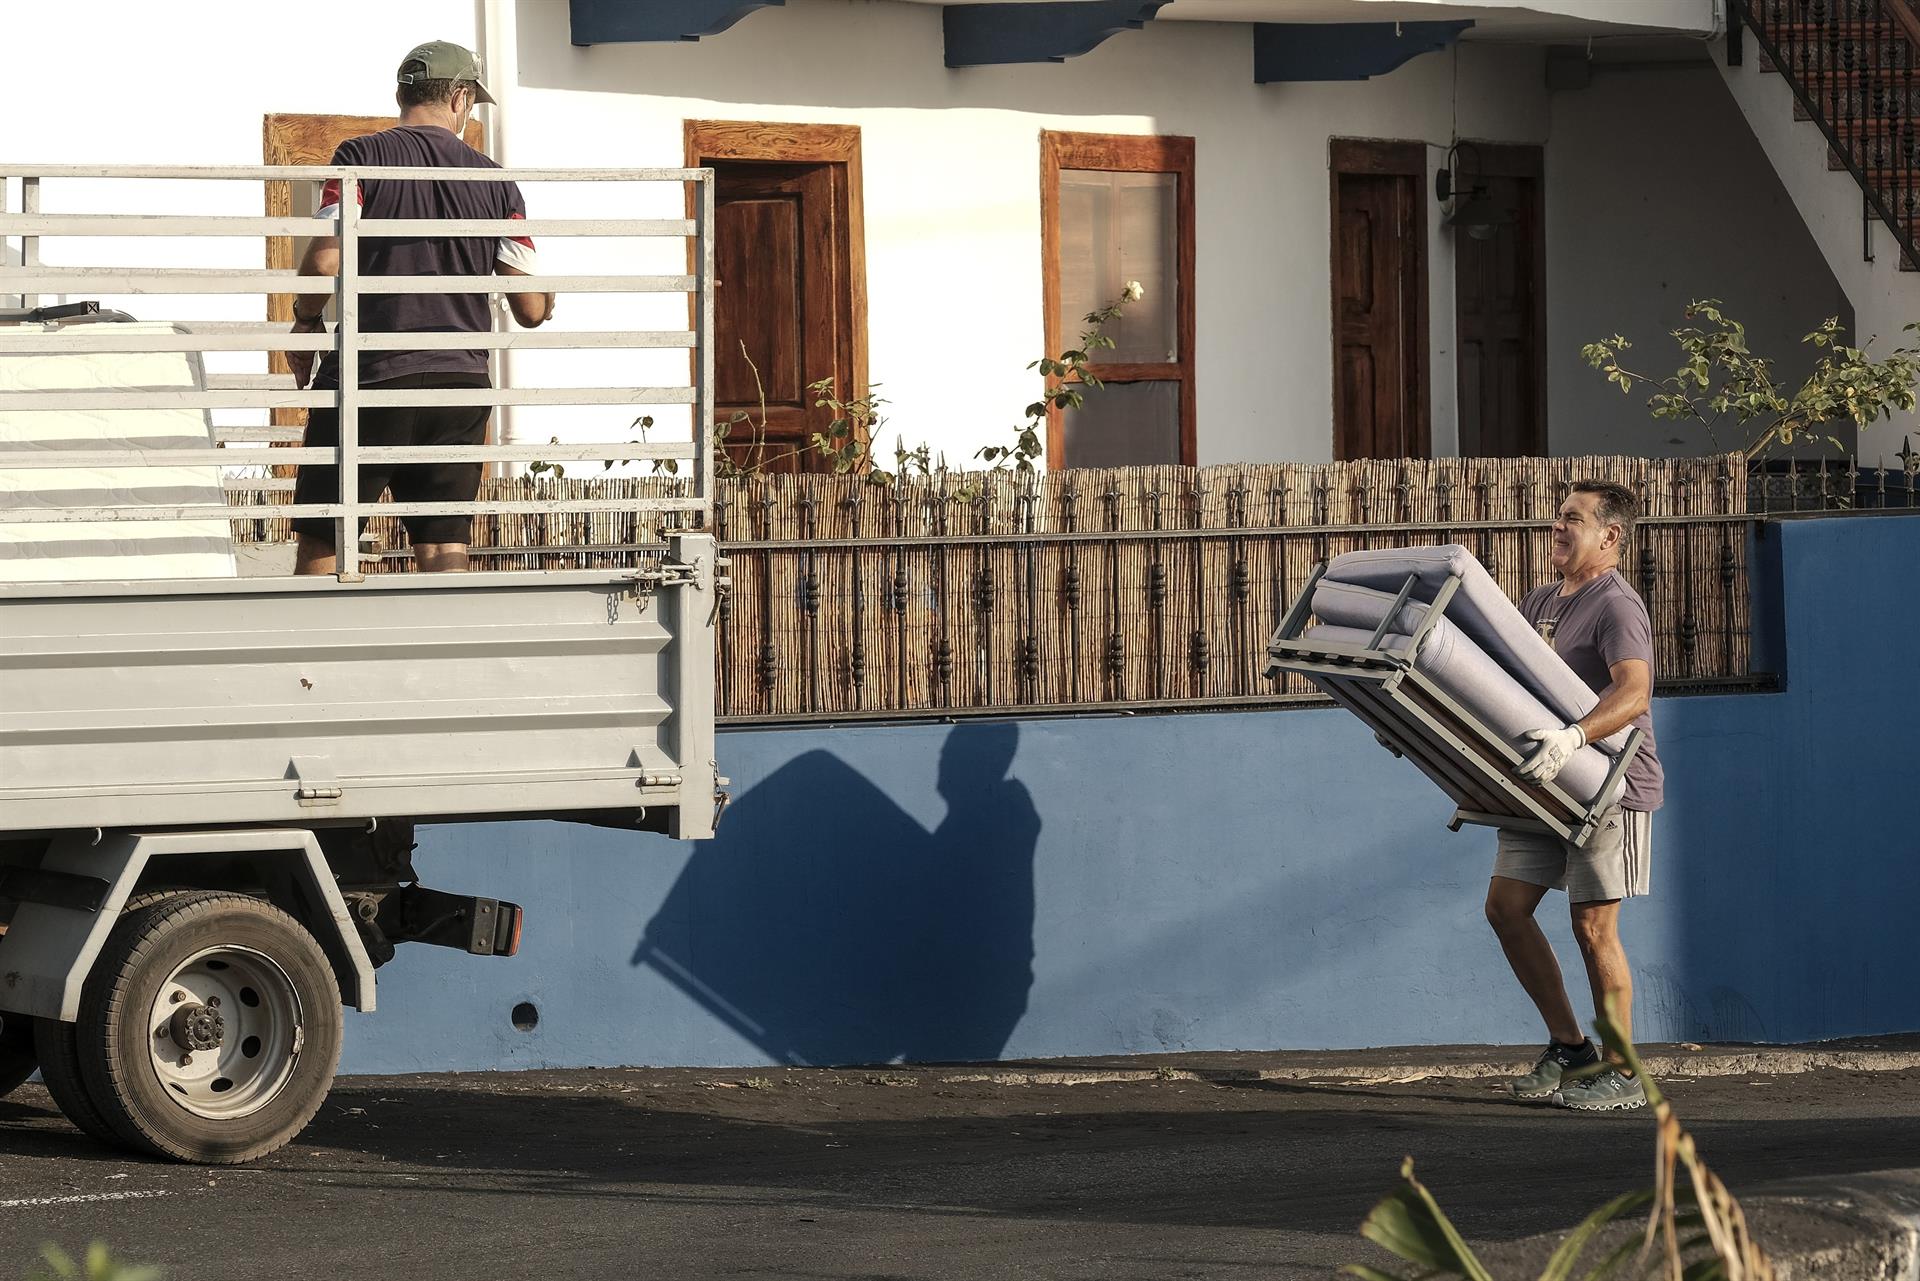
{"type": "Point", "coordinates": [1366, 1273]}
{"type": "Point", "coordinates": [1411, 1224]}
{"type": "Point", "coordinates": [1560, 1266]}
{"type": "Point", "coordinates": [1615, 1259]}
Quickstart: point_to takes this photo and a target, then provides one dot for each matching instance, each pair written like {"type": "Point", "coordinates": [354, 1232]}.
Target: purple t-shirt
{"type": "Point", "coordinates": [1599, 625]}
{"type": "Point", "coordinates": [419, 146]}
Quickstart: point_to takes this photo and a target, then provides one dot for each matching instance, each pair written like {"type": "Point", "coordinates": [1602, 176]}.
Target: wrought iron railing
{"type": "Point", "coordinates": [1779, 487]}
{"type": "Point", "coordinates": [1854, 67]}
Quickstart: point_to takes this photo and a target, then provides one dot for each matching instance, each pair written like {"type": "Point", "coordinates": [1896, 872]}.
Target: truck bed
{"type": "Point", "coordinates": [305, 701]}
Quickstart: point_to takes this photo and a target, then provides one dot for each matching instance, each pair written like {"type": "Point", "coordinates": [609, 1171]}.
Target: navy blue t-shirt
{"type": "Point", "coordinates": [419, 146]}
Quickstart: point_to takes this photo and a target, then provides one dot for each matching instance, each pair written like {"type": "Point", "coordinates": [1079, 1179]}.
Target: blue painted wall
{"type": "Point", "coordinates": [1220, 881]}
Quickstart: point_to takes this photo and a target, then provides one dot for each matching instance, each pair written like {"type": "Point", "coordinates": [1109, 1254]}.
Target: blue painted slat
{"type": "Point", "coordinates": [615, 21]}
{"type": "Point", "coordinates": [985, 35]}
{"type": "Point", "coordinates": [1284, 51]}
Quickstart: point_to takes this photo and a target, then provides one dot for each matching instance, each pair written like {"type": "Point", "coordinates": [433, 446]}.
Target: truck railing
{"type": "Point", "coordinates": [30, 278]}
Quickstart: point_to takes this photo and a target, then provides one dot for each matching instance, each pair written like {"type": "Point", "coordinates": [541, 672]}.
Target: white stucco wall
{"type": "Point", "coordinates": [952, 206]}
{"type": "Point", "coordinates": [951, 164]}
{"type": "Point", "coordinates": [952, 189]}
{"type": "Point", "coordinates": [1658, 194]}
{"type": "Point", "coordinates": [190, 93]}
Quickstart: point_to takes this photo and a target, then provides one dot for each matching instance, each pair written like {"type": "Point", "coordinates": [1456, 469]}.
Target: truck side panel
{"type": "Point", "coordinates": [308, 701]}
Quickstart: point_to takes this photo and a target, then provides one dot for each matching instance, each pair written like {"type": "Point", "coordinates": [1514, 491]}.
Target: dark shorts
{"type": "Point", "coordinates": [409, 482]}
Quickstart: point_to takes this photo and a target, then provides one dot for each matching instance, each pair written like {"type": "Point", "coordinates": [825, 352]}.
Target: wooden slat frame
{"type": "Point", "coordinates": [1121, 153]}
{"type": "Point", "coordinates": [836, 145]}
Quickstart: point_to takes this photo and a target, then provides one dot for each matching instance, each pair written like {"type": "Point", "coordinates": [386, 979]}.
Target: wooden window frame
{"type": "Point", "coordinates": [837, 145]}
{"type": "Point", "coordinates": [1121, 153]}
{"type": "Point", "coordinates": [1400, 159]}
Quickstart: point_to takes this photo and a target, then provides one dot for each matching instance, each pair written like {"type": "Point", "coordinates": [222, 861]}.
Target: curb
{"type": "Point", "coordinates": [1864, 1227]}
{"type": "Point", "coordinates": [1672, 1066]}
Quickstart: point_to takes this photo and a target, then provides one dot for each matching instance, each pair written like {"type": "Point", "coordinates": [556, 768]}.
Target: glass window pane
{"type": "Point", "coordinates": [1123, 425]}
{"type": "Point", "coordinates": [1117, 227]}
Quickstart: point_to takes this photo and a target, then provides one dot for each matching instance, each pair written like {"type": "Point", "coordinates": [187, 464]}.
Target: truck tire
{"type": "Point", "coordinates": [18, 1058]}
{"type": "Point", "coordinates": [209, 1029]}
{"type": "Point", "coordinates": [59, 1056]}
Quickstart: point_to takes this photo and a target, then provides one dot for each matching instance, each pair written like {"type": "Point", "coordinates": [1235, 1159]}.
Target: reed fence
{"type": "Point", "coordinates": [1132, 587]}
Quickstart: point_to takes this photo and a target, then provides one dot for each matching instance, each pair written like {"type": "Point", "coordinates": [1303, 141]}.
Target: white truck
{"type": "Point", "coordinates": [209, 779]}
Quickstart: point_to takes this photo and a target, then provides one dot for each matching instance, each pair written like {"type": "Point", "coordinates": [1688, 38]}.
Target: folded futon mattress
{"type": "Point", "coordinates": [1482, 652]}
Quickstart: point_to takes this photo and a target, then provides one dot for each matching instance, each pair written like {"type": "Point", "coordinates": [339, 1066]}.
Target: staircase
{"type": "Point", "coordinates": [1854, 70]}
{"type": "Point", "coordinates": [1831, 90]}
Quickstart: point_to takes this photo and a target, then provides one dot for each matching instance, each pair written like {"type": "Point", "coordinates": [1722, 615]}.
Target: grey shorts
{"type": "Point", "coordinates": [1616, 861]}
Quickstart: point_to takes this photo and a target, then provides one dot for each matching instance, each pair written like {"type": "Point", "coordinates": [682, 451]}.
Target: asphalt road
{"type": "Point", "coordinates": [858, 1176]}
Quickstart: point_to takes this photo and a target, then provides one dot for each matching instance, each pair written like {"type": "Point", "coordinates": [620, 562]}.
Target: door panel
{"type": "Point", "coordinates": [1499, 288]}
{"type": "Point", "coordinates": [759, 306]}
{"type": "Point", "coordinates": [777, 306]}
{"type": "Point", "coordinates": [1380, 405]}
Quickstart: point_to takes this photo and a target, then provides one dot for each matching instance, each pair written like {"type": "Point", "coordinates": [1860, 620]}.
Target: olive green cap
{"type": "Point", "coordinates": [444, 60]}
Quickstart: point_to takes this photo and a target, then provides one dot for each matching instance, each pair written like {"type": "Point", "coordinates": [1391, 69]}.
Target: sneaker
{"type": "Point", "coordinates": [1555, 1063]}
{"type": "Point", "coordinates": [1607, 1091]}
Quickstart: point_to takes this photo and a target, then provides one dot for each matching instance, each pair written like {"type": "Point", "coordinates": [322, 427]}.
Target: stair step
{"type": "Point", "coordinates": [1778, 31]}
{"type": "Point", "coordinates": [1849, 113]}
{"type": "Point", "coordinates": [1889, 57]}
{"type": "Point", "coordinates": [1890, 182]}
{"type": "Point", "coordinates": [1893, 78]}
{"type": "Point", "coordinates": [1879, 156]}
{"type": "Point", "coordinates": [1776, 13]}
{"type": "Point", "coordinates": [1872, 126]}
{"type": "Point", "coordinates": [1823, 41]}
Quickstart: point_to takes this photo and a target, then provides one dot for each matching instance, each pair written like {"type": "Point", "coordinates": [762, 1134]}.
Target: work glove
{"type": "Point", "coordinates": [1557, 747]}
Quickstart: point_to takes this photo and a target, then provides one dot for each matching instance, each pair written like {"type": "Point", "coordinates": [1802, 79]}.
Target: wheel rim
{"type": "Point", "coordinates": [225, 1031]}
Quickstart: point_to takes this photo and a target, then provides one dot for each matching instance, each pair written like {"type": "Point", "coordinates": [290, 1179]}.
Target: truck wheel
{"type": "Point", "coordinates": [209, 1029]}
{"type": "Point", "coordinates": [18, 1058]}
{"type": "Point", "coordinates": [59, 1057]}
{"type": "Point", "coordinates": [57, 1049]}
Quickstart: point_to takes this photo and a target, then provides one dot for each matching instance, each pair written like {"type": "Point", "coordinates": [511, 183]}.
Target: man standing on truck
{"type": "Point", "coordinates": [439, 84]}
{"type": "Point", "coordinates": [1599, 626]}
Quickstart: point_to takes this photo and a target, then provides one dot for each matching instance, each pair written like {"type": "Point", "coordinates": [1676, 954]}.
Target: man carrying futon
{"type": "Point", "coordinates": [1599, 627]}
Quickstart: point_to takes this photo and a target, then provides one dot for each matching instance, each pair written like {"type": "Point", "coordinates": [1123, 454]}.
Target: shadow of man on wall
{"type": "Point", "coordinates": [825, 925]}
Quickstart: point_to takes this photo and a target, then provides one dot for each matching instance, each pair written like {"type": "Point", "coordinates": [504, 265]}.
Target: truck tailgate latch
{"type": "Point", "coordinates": [666, 573]}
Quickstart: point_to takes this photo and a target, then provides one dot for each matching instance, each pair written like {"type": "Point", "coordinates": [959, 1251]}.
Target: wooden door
{"type": "Point", "coordinates": [1501, 308]}
{"type": "Point", "coordinates": [1380, 400]}
{"type": "Point", "coordinates": [790, 268]}
{"type": "Point", "coordinates": [777, 324]}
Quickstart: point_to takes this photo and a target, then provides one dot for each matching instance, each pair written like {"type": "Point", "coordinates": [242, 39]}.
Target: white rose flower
{"type": "Point", "coordinates": [1133, 292]}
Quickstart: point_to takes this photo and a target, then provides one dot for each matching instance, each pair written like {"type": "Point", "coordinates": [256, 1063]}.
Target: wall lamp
{"type": "Point", "coordinates": [1464, 203]}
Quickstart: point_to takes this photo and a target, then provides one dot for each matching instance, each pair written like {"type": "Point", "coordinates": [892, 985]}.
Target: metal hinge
{"type": "Point", "coordinates": [318, 785]}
